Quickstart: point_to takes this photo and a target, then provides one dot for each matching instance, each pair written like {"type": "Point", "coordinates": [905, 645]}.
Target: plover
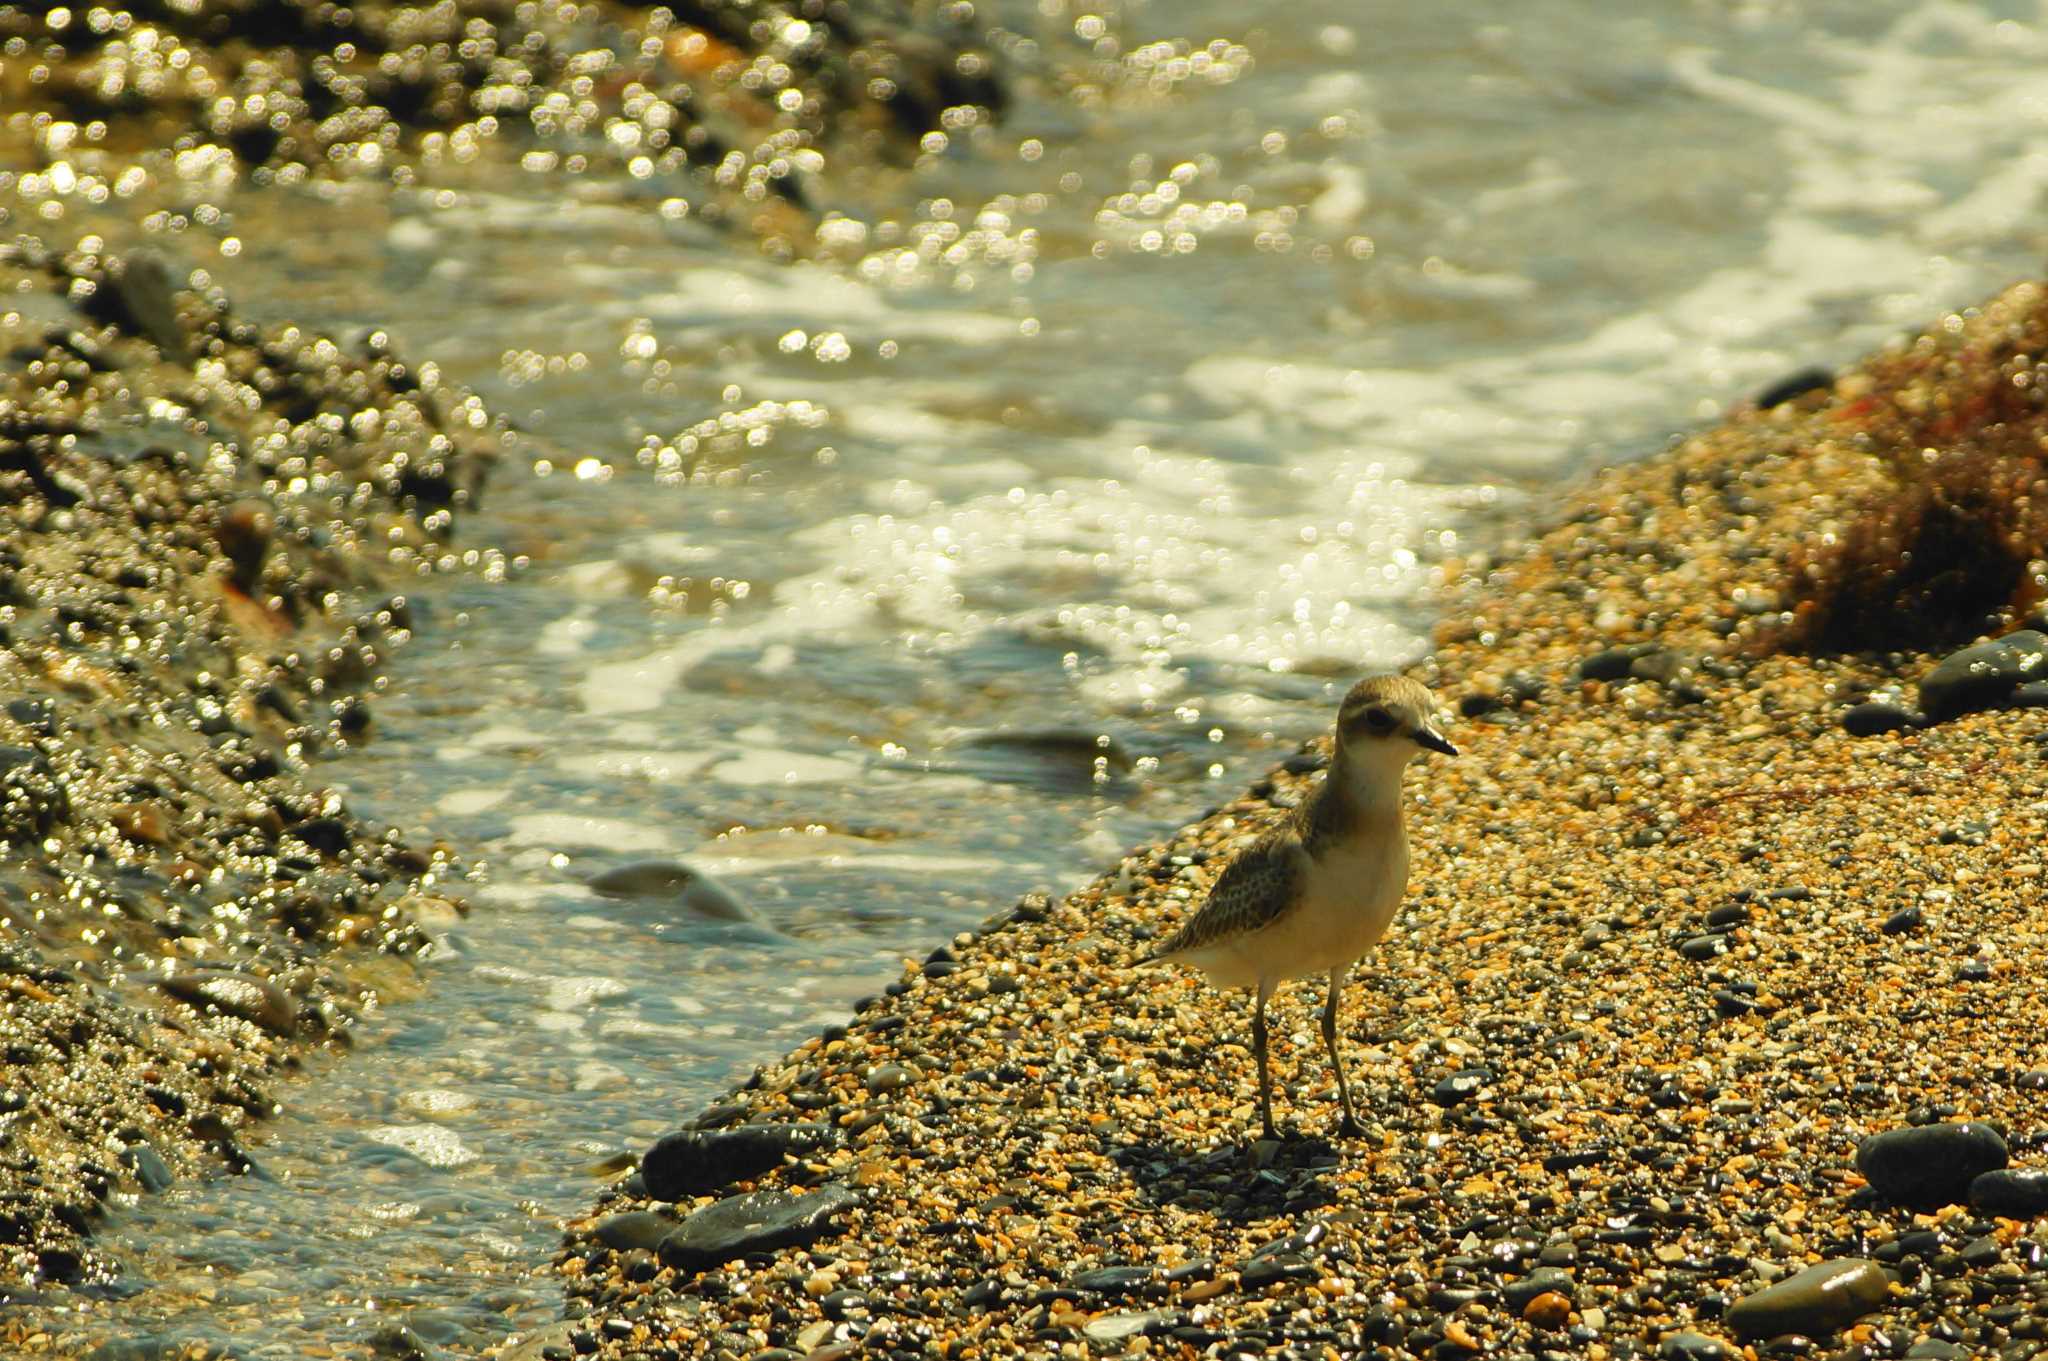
{"type": "Point", "coordinates": [1318, 893]}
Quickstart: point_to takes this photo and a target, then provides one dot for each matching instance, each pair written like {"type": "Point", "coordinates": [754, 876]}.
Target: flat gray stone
{"type": "Point", "coordinates": [760, 1221]}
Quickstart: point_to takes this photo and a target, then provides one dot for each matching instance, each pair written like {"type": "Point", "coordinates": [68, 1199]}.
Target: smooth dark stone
{"type": "Point", "coordinates": [1264, 1271]}
{"type": "Point", "coordinates": [2011, 1192]}
{"type": "Point", "coordinates": [1819, 1299]}
{"type": "Point", "coordinates": [843, 1304]}
{"type": "Point", "coordinates": [1479, 703]}
{"type": "Point", "coordinates": [1795, 384]}
{"type": "Point", "coordinates": [1113, 1280]}
{"type": "Point", "coordinates": [2032, 695]}
{"type": "Point", "coordinates": [1615, 662]}
{"type": "Point", "coordinates": [694, 1162]}
{"type": "Point", "coordinates": [760, 1221]}
{"type": "Point", "coordinates": [889, 1077]}
{"type": "Point", "coordinates": [1300, 1241]}
{"type": "Point", "coordinates": [1903, 920]}
{"type": "Point", "coordinates": [1934, 1349]}
{"type": "Point", "coordinates": [1542, 1280]}
{"type": "Point", "coordinates": [1460, 1086]}
{"type": "Point", "coordinates": [1928, 1166]}
{"type": "Point", "coordinates": [149, 1167]}
{"type": "Point", "coordinates": [1983, 676]}
{"type": "Point", "coordinates": [1873, 717]}
{"type": "Point", "coordinates": [1979, 1253]}
{"type": "Point", "coordinates": [632, 1229]}
{"type": "Point", "coordinates": [1733, 1004]}
{"type": "Point", "coordinates": [1691, 1347]}
{"type": "Point", "coordinates": [1063, 753]}
{"type": "Point", "coordinates": [1699, 949]}
{"type": "Point", "coordinates": [1729, 914]}
{"type": "Point", "coordinates": [691, 889]}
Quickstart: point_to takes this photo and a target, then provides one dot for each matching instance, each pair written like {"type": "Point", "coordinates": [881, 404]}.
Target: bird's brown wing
{"type": "Point", "coordinates": [1254, 890]}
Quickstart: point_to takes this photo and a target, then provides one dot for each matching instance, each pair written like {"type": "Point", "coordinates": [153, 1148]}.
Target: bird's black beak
{"type": "Point", "coordinates": [1432, 740]}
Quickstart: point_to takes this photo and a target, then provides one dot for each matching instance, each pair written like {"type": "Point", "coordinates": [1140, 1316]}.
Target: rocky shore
{"type": "Point", "coordinates": [1712, 1026]}
{"type": "Point", "coordinates": [723, 112]}
{"type": "Point", "coordinates": [206, 524]}
{"type": "Point", "coordinates": [197, 516]}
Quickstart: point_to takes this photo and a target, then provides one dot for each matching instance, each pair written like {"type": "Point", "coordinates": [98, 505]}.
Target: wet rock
{"type": "Point", "coordinates": [1817, 1300]}
{"type": "Point", "coordinates": [1983, 676]}
{"type": "Point", "coordinates": [1702, 948]}
{"type": "Point", "coordinates": [1479, 703]}
{"type": "Point", "coordinates": [633, 1229]}
{"type": "Point", "coordinates": [1662, 665]}
{"type": "Point", "coordinates": [889, 1077]}
{"type": "Point", "coordinates": [2032, 695]}
{"type": "Point", "coordinates": [1113, 1281]}
{"type": "Point", "coordinates": [695, 1162]}
{"type": "Point", "coordinates": [1904, 920]}
{"type": "Point", "coordinates": [1795, 384]}
{"type": "Point", "coordinates": [1928, 1166]}
{"type": "Point", "coordinates": [693, 889]}
{"type": "Point", "coordinates": [1691, 1347]}
{"type": "Point", "coordinates": [235, 994]}
{"type": "Point", "coordinates": [1873, 717]}
{"type": "Point", "coordinates": [1551, 1309]}
{"type": "Point", "coordinates": [149, 1167]}
{"type": "Point", "coordinates": [760, 1221]}
{"type": "Point", "coordinates": [1460, 1086]}
{"type": "Point", "coordinates": [1280, 1266]}
{"type": "Point", "coordinates": [1544, 1280]}
{"type": "Point", "coordinates": [1061, 756]}
{"type": "Point", "coordinates": [1614, 663]}
{"type": "Point", "coordinates": [401, 1343]}
{"type": "Point", "coordinates": [137, 293]}
{"type": "Point", "coordinates": [1114, 1328]}
{"type": "Point", "coordinates": [2011, 1192]}
{"type": "Point", "coordinates": [32, 801]}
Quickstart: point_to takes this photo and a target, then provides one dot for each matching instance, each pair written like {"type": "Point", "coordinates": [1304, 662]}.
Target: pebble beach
{"type": "Point", "coordinates": [1678, 944]}
{"type": "Point", "coordinates": [932, 450]}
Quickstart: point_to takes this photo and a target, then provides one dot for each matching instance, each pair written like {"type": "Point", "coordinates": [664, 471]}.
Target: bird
{"type": "Point", "coordinates": [1317, 893]}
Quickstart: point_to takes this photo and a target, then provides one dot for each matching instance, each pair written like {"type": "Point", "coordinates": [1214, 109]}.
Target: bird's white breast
{"type": "Point", "coordinates": [1348, 901]}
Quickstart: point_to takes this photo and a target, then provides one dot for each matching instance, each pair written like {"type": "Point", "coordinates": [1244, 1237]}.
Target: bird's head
{"type": "Point", "coordinates": [1387, 721]}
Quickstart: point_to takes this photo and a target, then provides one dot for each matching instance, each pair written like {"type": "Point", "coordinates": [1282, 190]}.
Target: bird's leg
{"type": "Point", "coordinates": [1349, 1127]}
{"type": "Point", "coordinates": [1259, 1048]}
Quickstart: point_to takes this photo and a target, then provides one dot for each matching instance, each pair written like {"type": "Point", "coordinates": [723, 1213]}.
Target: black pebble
{"type": "Point", "coordinates": [2012, 1192]}
{"type": "Point", "coordinates": [1795, 384]}
{"type": "Point", "coordinates": [1702, 948]}
{"type": "Point", "coordinates": [1929, 1166]}
{"type": "Point", "coordinates": [1460, 1086]}
{"type": "Point", "coordinates": [1873, 717]}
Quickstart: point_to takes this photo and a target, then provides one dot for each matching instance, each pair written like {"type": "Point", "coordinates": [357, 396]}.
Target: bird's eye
{"type": "Point", "coordinates": [1379, 720]}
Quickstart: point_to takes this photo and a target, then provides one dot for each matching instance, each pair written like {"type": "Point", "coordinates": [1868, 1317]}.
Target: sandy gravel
{"type": "Point", "coordinates": [1676, 942]}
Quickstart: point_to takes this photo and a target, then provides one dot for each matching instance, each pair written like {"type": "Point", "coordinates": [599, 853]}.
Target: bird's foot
{"type": "Point", "coordinates": [1349, 1128]}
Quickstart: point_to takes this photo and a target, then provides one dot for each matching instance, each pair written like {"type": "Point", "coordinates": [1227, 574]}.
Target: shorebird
{"type": "Point", "coordinates": [1317, 893]}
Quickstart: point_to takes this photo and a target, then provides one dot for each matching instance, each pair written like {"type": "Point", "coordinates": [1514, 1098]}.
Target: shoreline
{"type": "Point", "coordinates": [183, 644]}
{"type": "Point", "coordinates": [1677, 940]}
{"type": "Point", "coordinates": [206, 519]}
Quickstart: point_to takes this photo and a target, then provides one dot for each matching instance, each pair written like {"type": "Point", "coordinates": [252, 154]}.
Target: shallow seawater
{"type": "Point", "coordinates": [1059, 499]}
